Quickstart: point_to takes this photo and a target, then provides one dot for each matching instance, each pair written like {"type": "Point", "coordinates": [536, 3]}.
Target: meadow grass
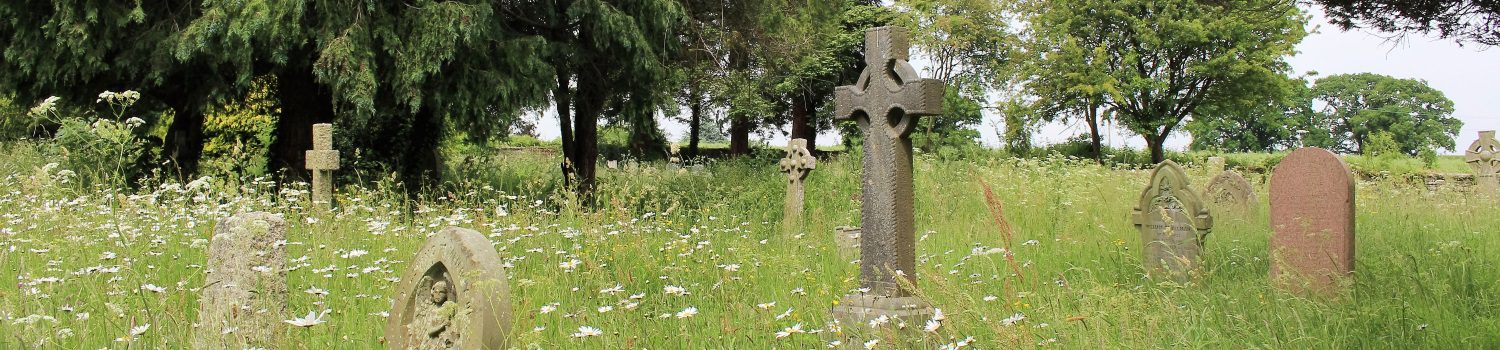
{"type": "Point", "coordinates": [90, 264]}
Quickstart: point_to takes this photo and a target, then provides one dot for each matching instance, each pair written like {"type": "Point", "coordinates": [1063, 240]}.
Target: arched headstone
{"type": "Point", "coordinates": [1230, 190]}
{"type": "Point", "coordinates": [1173, 223]}
{"type": "Point", "coordinates": [1312, 214]}
{"type": "Point", "coordinates": [453, 296]}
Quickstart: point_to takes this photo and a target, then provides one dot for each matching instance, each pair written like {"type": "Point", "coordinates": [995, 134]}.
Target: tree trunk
{"type": "Point", "coordinates": [1156, 144]}
{"type": "Point", "coordinates": [423, 160]}
{"type": "Point", "coordinates": [184, 143]}
{"type": "Point", "coordinates": [303, 103]}
{"type": "Point", "coordinates": [695, 125]}
{"type": "Point", "coordinates": [591, 98]}
{"type": "Point", "coordinates": [562, 97]}
{"type": "Point", "coordinates": [802, 121]}
{"type": "Point", "coordinates": [739, 136]}
{"type": "Point", "coordinates": [1095, 146]}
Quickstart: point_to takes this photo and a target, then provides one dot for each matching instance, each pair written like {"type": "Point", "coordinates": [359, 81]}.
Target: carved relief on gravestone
{"type": "Point", "coordinates": [453, 296]}
{"type": "Point", "coordinates": [1312, 216]}
{"type": "Point", "coordinates": [1230, 190]}
{"type": "Point", "coordinates": [322, 160]}
{"type": "Point", "coordinates": [1484, 157]}
{"type": "Point", "coordinates": [886, 102]}
{"type": "Point", "coordinates": [1173, 224]}
{"type": "Point", "coordinates": [244, 294]}
{"type": "Point", "coordinates": [798, 163]}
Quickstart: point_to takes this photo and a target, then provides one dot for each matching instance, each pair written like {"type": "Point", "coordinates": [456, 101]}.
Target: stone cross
{"type": "Point", "coordinates": [1173, 224]}
{"type": "Point", "coordinates": [1484, 157]}
{"type": "Point", "coordinates": [453, 295]}
{"type": "Point", "coordinates": [798, 163]}
{"type": "Point", "coordinates": [885, 102]}
{"type": "Point", "coordinates": [322, 160]}
{"type": "Point", "coordinates": [244, 294]}
{"type": "Point", "coordinates": [1312, 216]}
{"type": "Point", "coordinates": [1230, 190]}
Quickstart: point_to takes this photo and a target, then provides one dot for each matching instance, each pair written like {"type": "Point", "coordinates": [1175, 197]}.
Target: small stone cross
{"type": "Point", "coordinates": [798, 163]}
{"type": "Point", "coordinates": [886, 102]}
{"type": "Point", "coordinates": [1484, 157]}
{"type": "Point", "coordinates": [322, 160]}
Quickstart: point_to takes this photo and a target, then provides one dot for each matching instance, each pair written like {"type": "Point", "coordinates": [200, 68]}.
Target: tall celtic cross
{"type": "Point", "coordinates": [322, 160]}
{"type": "Point", "coordinates": [886, 102]}
{"type": "Point", "coordinates": [798, 163]}
{"type": "Point", "coordinates": [1484, 157]}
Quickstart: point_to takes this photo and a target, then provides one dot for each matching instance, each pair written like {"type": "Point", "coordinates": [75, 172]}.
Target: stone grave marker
{"type": "Point", "coordinates": [847, 239]}
{"type": "Point", "coordinates": [1215, 165]}
{"type": "Point", "coordinates": [1230, 190]}
{"type": "Point", "coordinates": [322, 160]}
{"type": "Point", "coordinates": [674, 157]}
{"type": "Point", "coordinates": [1312, 216]}
{"type": "Point", "coordinates": [1484, 157]}
{"type": "Point", "coordinates": [453, 296]}
{"type": "Point", "coordinates": [798, 162]}
{"type": "Point", "coordinates": [244, 294]}
{"type": "Point", "coordinates": [1173, 224]}
{"type": "Point", "coordinates": [885, 102]}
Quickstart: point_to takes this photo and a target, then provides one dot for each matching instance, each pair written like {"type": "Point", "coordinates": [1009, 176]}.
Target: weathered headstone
{"type": "Point", "coordinates": [1215, 165]}
{"type": "Point", "coordinates": [1230, 190]}
{"type": "Point", "coordinates": [798, 162]}
{"type": "Point", "coordinates": [453, 296]}
{"type": "Point", "coordinates": [886, 102]}
{"type": "Point", "coordinates": [1312, 215]}
{"type": "Point", "coordinates": [322, 160]}
{"type": "Point", "coordinates": [1173, 224]}
{"type": "Point", "coordinates": [674, 157]}
{"type": "Point", "coordinates": [244, 294]}
{"type": "Point", "coordinates": [847, 239]}
{"type": "Point", "coordinates": [612, 165]}
{"type": "Point", "coordinates": [1484, 157]}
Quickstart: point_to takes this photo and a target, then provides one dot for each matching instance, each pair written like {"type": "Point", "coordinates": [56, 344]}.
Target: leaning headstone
{"type": "Point", "coordinates": [886, 102]}
{"type": "Point", "coordinates": [1230, 190]}
{"type": "Point", "coordinates": [322, 160]}
{"type": "Point", "coordinates": [1173, 224]}
{"type": "Point", "coordinates": [244, 294]}
{"type": "Point", "coordinates": [1215, 165]}
{"type": "Point", "coordinates": [798, 162]}
{"type": "Point", "coordinates": [453, 296]}
{"type": "Point", "coordinates": [847, 239]}
{"type": "Point", "coordinates": [1312, 215]}
{"type": "Point", "coordinates": [1484, 157]}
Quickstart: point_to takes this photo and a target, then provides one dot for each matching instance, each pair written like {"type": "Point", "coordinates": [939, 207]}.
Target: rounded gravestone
{"type": "Point", "coordinates": [244, 294]}
{"type": "Point", "coordinates": [1173, 223]}
{"type": "Point", "coordinates": [453, 296]}
{"type": "Point", "coordinates": [1312, 215]}
{"type": "Point", "coordinates": [1229, 189]}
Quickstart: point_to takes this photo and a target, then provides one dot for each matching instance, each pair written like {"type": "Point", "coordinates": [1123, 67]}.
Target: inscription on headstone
{"type": "Point", "coordinates": [885, 102]}
{"type": "Point", "coordinates": [1173, 224]}
{"type": "Point", "coordinates": [1312, 216]}
{"type": "Point", "coordinates": [322, 160]}
{"type": "Point", "coordinates": [1484, 157]}
{"type": "Point", "coordinates": [798, 162]}
{"type": "Point", "coordinates": [244, 296]}
{"type": "Point", "coordinates": [453, 296]}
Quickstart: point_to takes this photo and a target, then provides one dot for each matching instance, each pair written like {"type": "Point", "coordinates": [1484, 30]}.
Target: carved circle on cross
{"type": "Point", "coordinates": [798, 161]}
{"type": "Point", "coordinates": [889, 95]}
{"type": "Point", "coordinates": [1484, 154]}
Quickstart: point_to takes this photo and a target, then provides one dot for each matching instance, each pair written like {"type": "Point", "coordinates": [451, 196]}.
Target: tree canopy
{"type": "Point", "coordinates": [1464, 20]}
{"type": "Point", "coordinates": [1355, 106]}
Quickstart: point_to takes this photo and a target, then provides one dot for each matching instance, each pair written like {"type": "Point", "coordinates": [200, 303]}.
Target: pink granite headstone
{"type": "Point", "coordinates": [1312, 214]}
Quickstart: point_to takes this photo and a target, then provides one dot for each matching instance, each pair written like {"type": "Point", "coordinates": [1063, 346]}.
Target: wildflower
{"type": "Point", "coordinates": [549, 308]}
{"type": "Point", "coordinates": [586, 331]}
{"type": "Point", "coordinates": [48, 105]}
{"type": "Point", "coordinates": [606, 308]}
{"type": "Point", "coordinates": [153, 288]}
{"type": "Point", "coordinates": [688, 312]}
{"type": "Point", "coordinates": [871, 344]}
{"type": "Point", "coordinates": [315, 291]}
{"type": "Point", "coordinates": [570, 264]}
{"type": "Point", "coordinates": [135, 122]}
{"type": "Point", "coordinates": [612, 290]}
{"type": "Point", "coordinates": [675, 290]}
{"type": "Point", "coordinates": [794, 329]}
{"type": "Point", "coordinates": [1018, 317]}
{"type": "Point", "coordinates": [932, 326]}
{"type": "Point", "coordinates": [134, 332]}
{"type": "Point", "coordinates": [766, 306]}
{"type": "Point", "coordinates": [313, 318]}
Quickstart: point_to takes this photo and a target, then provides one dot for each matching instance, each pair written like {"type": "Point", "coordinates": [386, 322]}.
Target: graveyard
{"type": "Point", "coordinates": [385, 187]}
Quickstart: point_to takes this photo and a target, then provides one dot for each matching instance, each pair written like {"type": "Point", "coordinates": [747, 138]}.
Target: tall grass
{"type": "Point", "coordinates": [1426, 273]}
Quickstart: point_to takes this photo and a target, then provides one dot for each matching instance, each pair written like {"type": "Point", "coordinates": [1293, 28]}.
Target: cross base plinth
{"type": "Point", "coordinates": [856, 311]}
{"type": "Point", "coordinates": [1487, 183]}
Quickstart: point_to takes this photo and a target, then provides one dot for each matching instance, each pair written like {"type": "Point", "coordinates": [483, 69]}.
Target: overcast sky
{"type": "Point", "coordinates": [1466, 74]}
